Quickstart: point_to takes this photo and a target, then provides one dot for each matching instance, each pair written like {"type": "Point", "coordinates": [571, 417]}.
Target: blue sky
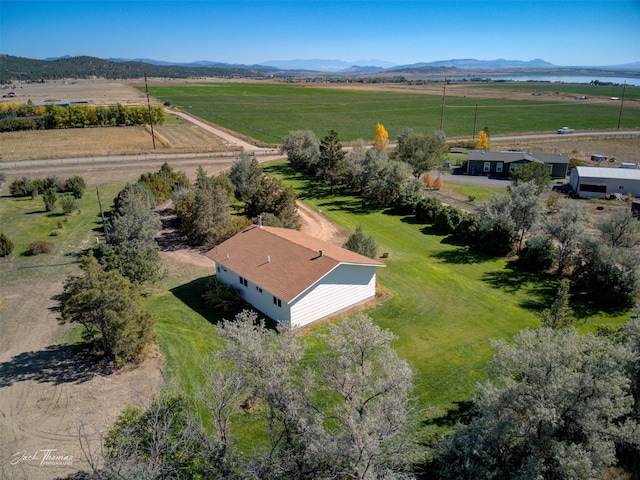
{"type": "Point", "coordinates": [591, 33]}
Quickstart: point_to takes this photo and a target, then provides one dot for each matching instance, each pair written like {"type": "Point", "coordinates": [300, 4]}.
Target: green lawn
{"type": "Point", "coordinates": [446, 301]}
{"type": "Point", "coordinates": [268, 112]}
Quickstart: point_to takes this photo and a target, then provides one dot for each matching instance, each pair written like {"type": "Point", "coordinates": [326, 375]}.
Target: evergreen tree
{"type": "Point", "coordinates": [363, 244]}
{"type": "Point", "coordinates": [108, 306]}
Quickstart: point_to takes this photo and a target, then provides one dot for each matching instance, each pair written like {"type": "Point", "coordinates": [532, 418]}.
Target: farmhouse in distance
{"type": "Point", "coordinates": [501, 164]}
{"type": "Point", "coordinates": [292, 277]}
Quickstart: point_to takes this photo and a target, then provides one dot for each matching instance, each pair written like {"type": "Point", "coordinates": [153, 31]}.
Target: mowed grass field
{"type": "Point", "coordinates": [446, 300]}
{"type": "Point", "coordinates": [268, 112]}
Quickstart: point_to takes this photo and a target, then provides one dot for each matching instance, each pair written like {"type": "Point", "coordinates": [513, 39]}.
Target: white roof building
{"type": "Point", "coordinates": [595, 182]}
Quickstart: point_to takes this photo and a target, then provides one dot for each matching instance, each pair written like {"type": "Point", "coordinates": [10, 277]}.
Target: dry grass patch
{"type": "Point", "coordinates": [187, 135]}
{"type": "Point", "coordinates": [94, 142]}
{"type": "Point", "coordinates": [77, 142]}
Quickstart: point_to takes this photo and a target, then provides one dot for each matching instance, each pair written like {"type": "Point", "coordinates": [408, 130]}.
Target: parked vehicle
{"type": "Point", "coordinates": [566, 130]}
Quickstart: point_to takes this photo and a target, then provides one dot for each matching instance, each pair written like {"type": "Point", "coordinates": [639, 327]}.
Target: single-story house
{"type": "Point", "coordinates": [292, 277]}
{"type": "Point", "coordinates": [596, 182]}
{"type": "Point", "coordinates": [501, 164]}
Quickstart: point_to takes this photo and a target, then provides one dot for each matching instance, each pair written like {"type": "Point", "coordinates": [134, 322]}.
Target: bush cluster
{"type": "Point", "coordinates": [40, 247]}
{"type": "Point", "coordinates": [6, 245]}
{"type": "Point", "coordinates": [27, 187]}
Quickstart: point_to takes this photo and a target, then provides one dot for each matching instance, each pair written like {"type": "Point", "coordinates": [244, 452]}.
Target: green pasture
{"type": "Point", "coordinates": [25, 220]}
{"type": "Point", "coordinates": [630, 91]}
{"type": "Point", "coordinates": [268, 112]}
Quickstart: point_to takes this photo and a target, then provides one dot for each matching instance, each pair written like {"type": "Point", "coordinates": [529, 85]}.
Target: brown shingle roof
{"type": "Point", "coordinates": [284, 262]}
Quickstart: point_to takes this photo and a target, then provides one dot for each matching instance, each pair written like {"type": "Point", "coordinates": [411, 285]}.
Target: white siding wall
{"type": "Point", "coordinates": [343, 287]}
{"type": "Point", "coordinates": [262, 301]}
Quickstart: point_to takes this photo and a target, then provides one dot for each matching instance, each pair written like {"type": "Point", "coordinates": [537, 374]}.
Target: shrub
{"type": "Point", "coordinates": [69, 204]}
{"type": "Point", "coordinates": [6, 245]}
{"type": "Point", "coordinates": [157, 185]}
{"type": "Point", "coordinates": [221, 295]}
{"type": "Point", "coordinates": [50, 199]}
{"type": "Point", "coordinates": [20, 187]}
{"type": "Point", "coordinates": [538, 255]}
{"type": "Point", "coordinates": [76, 185]}
{"type": "Point", "coordinates": [448, 219]}
{"type": "Point", "coordinates": [39, 247]}
{"type": "Point", "coordinates": [427, 208]}
{"type": "Point", "coordinates": [52, 183]}
{"type": "Point", "coordinates": [36, 187]}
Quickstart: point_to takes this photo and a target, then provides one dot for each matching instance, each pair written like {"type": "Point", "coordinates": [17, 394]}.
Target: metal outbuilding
{"type": "Point", "coordinates": [595, 182]}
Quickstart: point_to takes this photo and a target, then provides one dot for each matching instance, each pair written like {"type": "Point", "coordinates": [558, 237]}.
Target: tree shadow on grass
{"type": "Point", "coordinates": [541, 288]}
{"type": "Point", "coordinates": [463, 411]}
{"type": "Point", "coordinates": [584, 306]}
{"type": "Point", "coordinates": [461, 256]}
{"type": "Point", "coordinates": [191, 295]}
{"type": "Point", "coordinates": [57, 364]}
{"type": "Point", "coordinates": [352, 205]}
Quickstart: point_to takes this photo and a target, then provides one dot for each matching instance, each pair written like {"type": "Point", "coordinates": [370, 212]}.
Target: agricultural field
{"type": "Point", "coordinates": [267, 112]}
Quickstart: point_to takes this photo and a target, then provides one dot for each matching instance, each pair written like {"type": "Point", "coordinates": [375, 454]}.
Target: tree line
{"type": "Point", "coordinates": [27, 116]}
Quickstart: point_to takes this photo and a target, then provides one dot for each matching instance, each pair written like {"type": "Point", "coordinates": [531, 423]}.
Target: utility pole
{"type": "Point", "coordinates": [444, 93]}
{"type": "Point", "coordinates": [146, 87]}
{"type": "Point", "coordinates": [624, 86]}
{"type": "Point", "coordinates": [475, 118]}
{"type": "Point", "coordinates": [104, 222]}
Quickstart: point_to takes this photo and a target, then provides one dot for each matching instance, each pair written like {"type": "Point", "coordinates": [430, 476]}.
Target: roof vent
{"type": "Point", "coordinates": [227, 255]}
{"type": "Point", "coordinates": [321, 252]}
{"type": "Point", "coordinates": [268, 258]}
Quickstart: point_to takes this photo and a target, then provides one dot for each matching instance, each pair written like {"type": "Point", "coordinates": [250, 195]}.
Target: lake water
{"type": "Point", "coordinates": [569, 79]}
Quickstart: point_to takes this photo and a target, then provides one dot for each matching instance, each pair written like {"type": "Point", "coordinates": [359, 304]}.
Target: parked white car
{"type": "Point", "coordinates": [566, 130]}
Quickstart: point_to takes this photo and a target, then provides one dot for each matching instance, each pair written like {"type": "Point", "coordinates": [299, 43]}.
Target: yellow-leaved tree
{"type": "Point", "coordinates": [483, 140]}
{"type": "Point", "coordinates": [381, 140]}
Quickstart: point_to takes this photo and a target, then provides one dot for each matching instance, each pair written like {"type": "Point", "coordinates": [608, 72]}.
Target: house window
{"type": "Point", "coordinates": [277, 301]}
{"type": "Point", "coordinates": [487, 167]}
{"type": "Point", "coordinates": [259, 289]}
{"type": "Point", "coordinates": [499, 167]}
{"type": "Point", "coordinates": [243, 281]}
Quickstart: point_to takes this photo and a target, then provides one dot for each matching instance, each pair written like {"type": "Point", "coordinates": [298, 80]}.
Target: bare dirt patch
{"type": "Point", "coordinates": [48, 390]}
{"type": "Point", "coordinates": [317, 225]}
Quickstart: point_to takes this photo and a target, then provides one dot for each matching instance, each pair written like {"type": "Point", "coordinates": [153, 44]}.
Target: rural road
{"type": "Point", "coordinates": [227, 137]}
{"type": "Point", "coordinates": [630, 133]}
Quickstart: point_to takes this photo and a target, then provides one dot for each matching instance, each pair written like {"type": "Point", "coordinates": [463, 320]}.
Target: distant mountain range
{"type": "Point", "coordinates": [18, 68]}
{"type": "Point", "coordinates": [369, 66]}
